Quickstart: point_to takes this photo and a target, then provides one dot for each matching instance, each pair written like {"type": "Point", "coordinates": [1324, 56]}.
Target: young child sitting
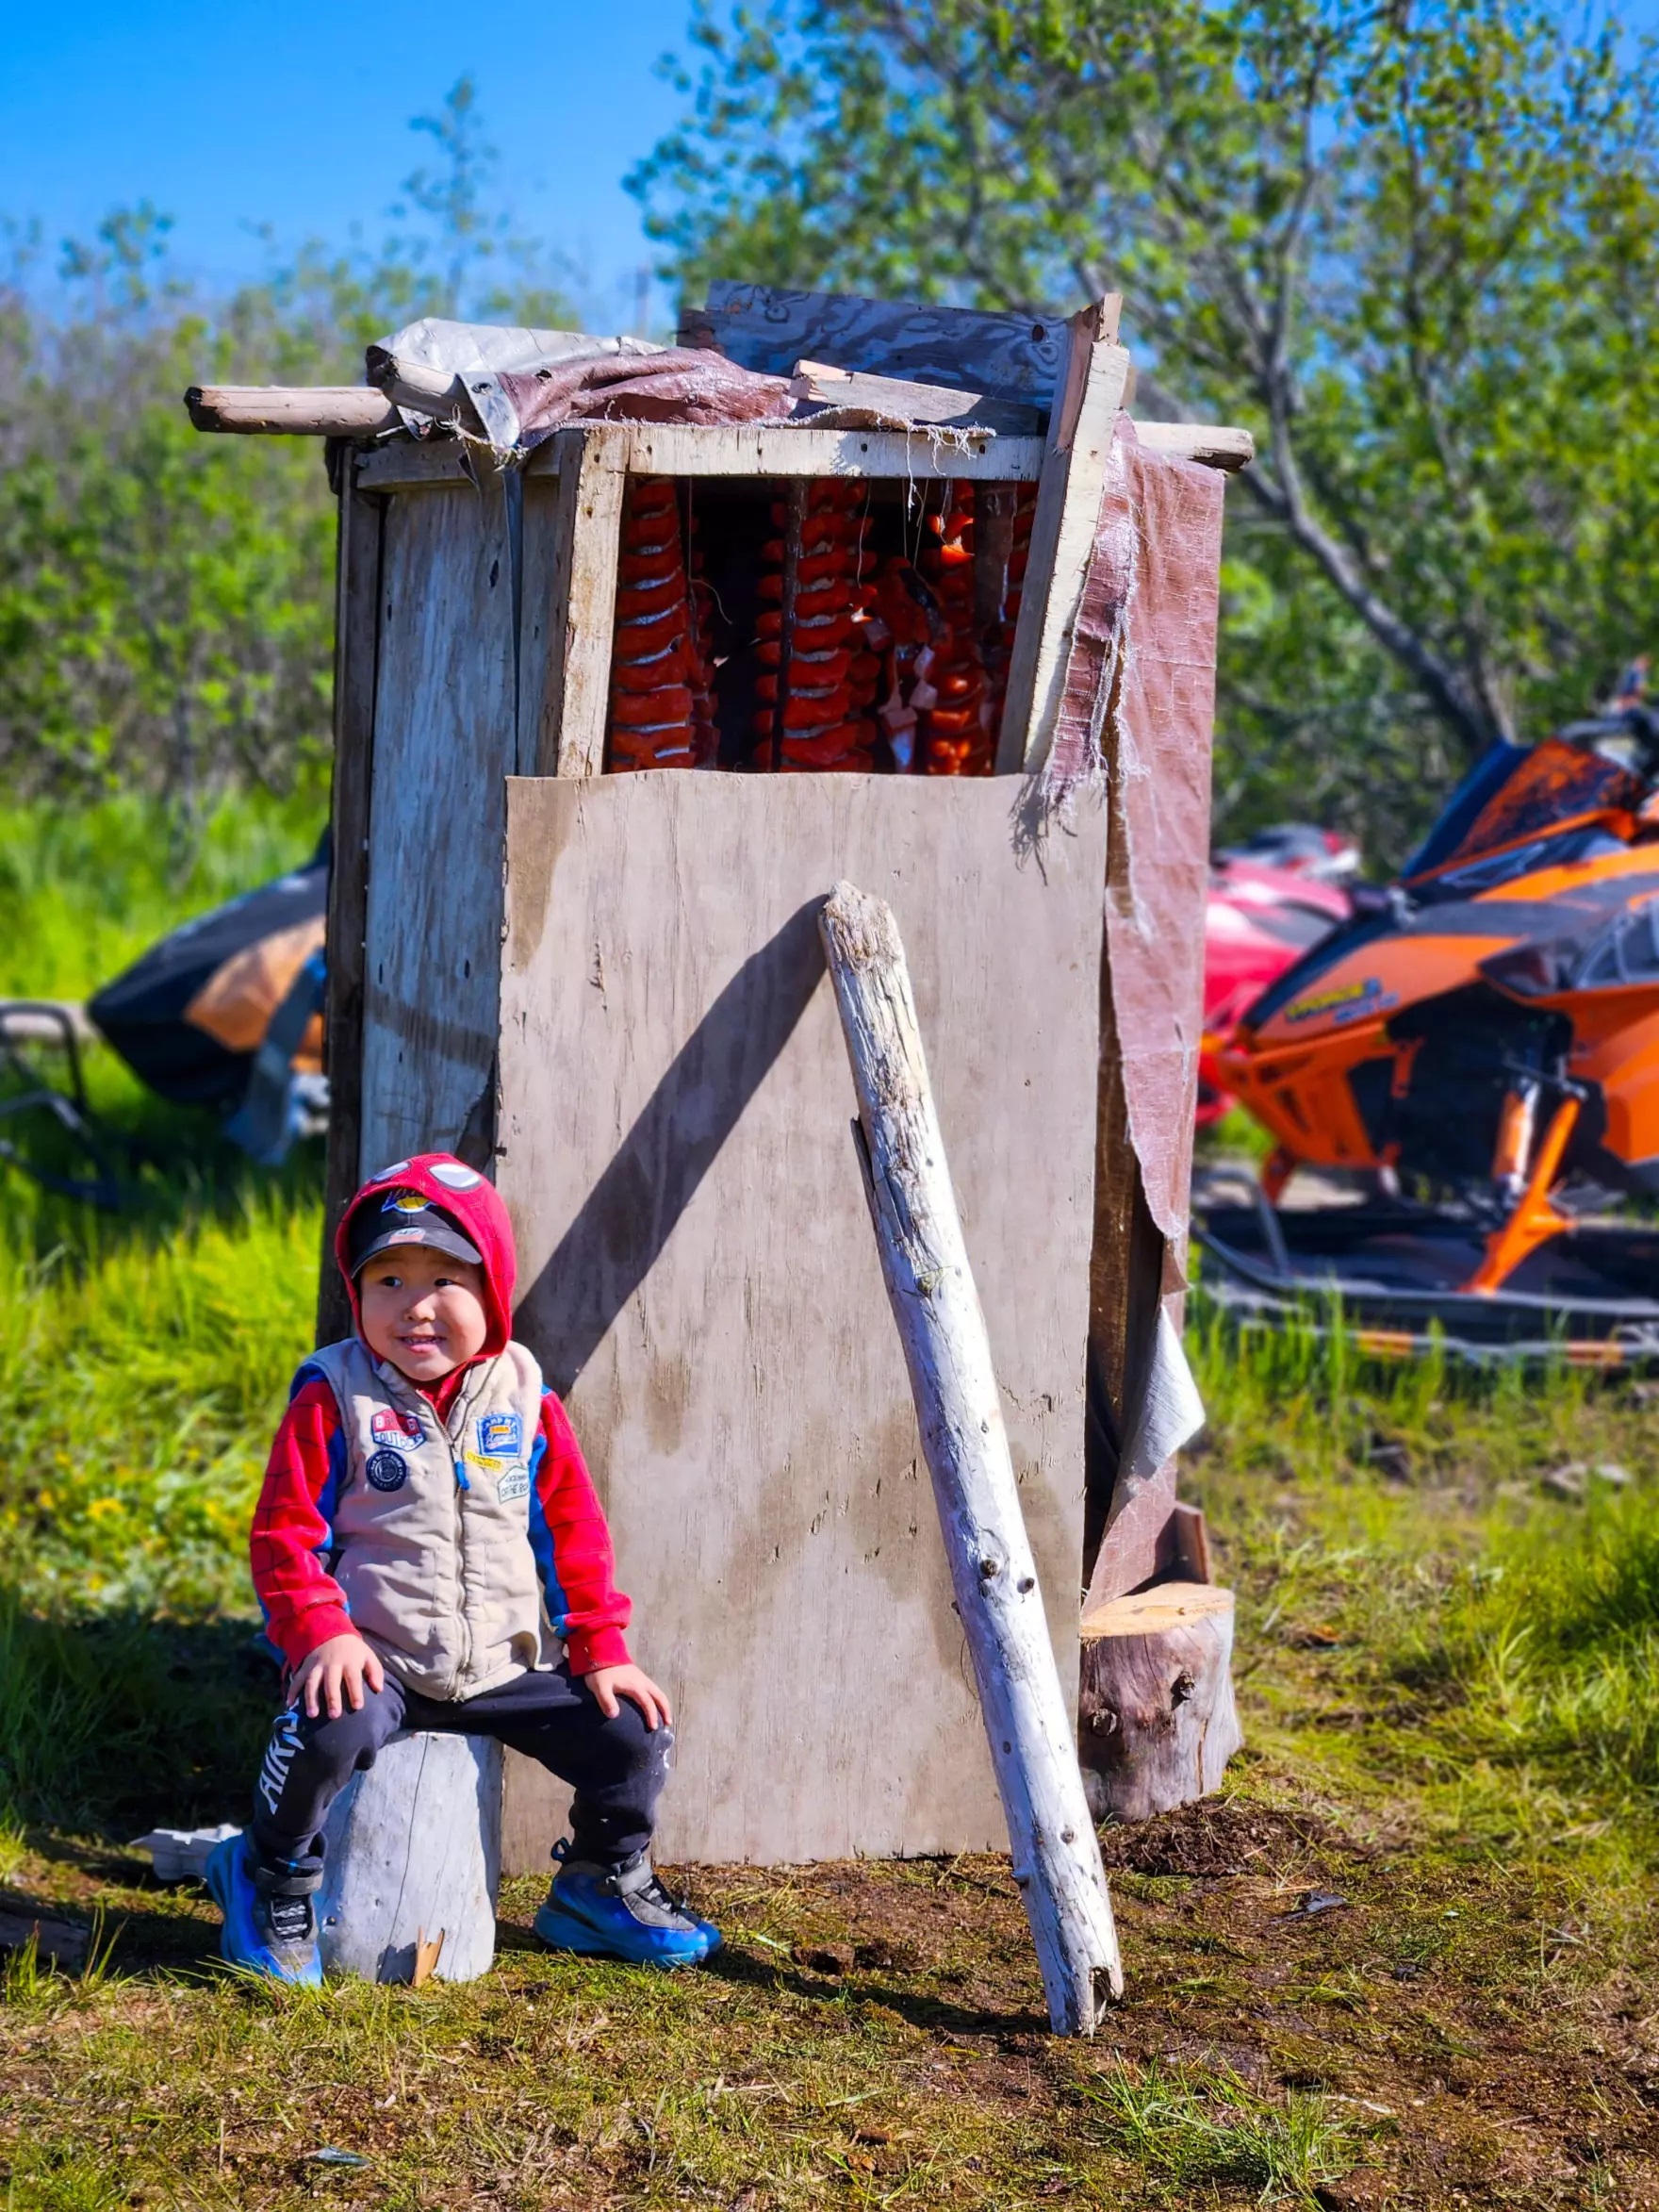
{"type": "Point", "coordinates": [426, 1533]}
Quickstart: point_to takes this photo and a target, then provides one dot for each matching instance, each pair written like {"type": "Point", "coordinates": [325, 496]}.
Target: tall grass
{"type": "Point", "coordinates": [1555, 1640]}
{"type": "Point", "coordinates": [1423, 1619]}
{"type": "Point", "coordinates": [83, 892]}
{"type": "Point", "coordinates": [1303, 1396]}
{"type": "Point", "coordinates": [144, 1356]}
{"type": "Point", "coordinates": [138, 1385]}
{"type": "Point", "coordinates": [112, 1722]}
{"type": "Point", "coordinates": [1190, 2130]}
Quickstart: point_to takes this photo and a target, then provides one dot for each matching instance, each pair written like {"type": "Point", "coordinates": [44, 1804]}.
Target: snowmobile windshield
{"type": "Point", "coordinates": [1589, 841]}
{"type": "Point", "coordinates": [1515, 792]}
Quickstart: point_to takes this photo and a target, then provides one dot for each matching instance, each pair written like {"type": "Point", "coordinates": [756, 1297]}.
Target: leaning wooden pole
{"type": "Point", "coordinates": [925, 1262]}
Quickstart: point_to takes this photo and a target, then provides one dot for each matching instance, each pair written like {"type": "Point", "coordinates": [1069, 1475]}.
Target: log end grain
{"type": "Point", "coordinates": [1156, 1720]}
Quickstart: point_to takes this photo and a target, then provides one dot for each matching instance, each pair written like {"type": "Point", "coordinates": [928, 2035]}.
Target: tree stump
{"type": "Point", "coordinates": [1156, 1719]}
{"type": "Point", "coordinates": [415, 1855]}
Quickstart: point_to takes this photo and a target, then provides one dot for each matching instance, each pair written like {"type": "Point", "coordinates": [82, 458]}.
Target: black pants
{"type": "Point", "coordinates": [616, 1768]}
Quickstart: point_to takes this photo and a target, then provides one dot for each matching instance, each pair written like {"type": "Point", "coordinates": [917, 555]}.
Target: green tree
{"type": "Point", "coordinates": [478, 266]}
{"type": "Point", "coordinates": [166, 599]}
{"type": "Point", "coordinates": [1413, 247]}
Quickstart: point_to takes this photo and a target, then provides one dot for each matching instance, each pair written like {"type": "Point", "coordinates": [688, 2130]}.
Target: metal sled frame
{"type": "Point", "coordinates": [35, 1022]}
{"type": "Point", "coordinates": [1391, 1277]}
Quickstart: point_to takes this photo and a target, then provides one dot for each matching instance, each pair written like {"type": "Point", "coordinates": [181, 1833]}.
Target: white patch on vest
{"type": "Point", "coordinates": [388, 1425]}
{"type": "Point", "coordinates": [454, 1178]}
{"type": "Point", "coordinates": [514, 1483]}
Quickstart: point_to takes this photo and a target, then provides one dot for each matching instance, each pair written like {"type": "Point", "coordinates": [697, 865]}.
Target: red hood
{"type": "Point", "coordinates": [462, 1191]}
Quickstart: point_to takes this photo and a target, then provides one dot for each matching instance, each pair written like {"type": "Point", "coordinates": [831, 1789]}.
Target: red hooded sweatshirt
{"type": "Point", "coordinates": [291, 1547]}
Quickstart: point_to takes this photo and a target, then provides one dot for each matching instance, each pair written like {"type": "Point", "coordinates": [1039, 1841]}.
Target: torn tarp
{"type": "Point", "coordinates": [523, 385]}
{"type": "Point", "coordinates": [1135, 715]}
{"type": "Point", "coordinates": [677, 386]}
{"type": "Point", "coordinates": [480, 353]}
{"type": "Point", "coordinates": [1135, 718]}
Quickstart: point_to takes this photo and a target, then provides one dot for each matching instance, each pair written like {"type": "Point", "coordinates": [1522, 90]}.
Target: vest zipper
{"type": "Point", "coordinates": [465, 1404]}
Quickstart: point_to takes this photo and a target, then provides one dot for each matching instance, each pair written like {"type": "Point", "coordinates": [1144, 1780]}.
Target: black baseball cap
{"type": "Point", "coordinates": [407, 1217]}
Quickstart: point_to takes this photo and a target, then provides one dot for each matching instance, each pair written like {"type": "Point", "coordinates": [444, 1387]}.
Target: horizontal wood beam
{"type": "Point", "coordinates": [786, 449]}
{"type": "Point", "coordinates": [1231, 450]}
{"type": "Point", "coordinates": [681, 449]}
{"type": "Point", "coordinates": [437, 392]}
{"type": "Point", "coordinates": [743, 449]}
{"type": "Point", "coordinates": [408, 464]}
{"type": "Point", "coordinates": [279, 410]}
{"type": "Point", "coordinates": [901, 400]}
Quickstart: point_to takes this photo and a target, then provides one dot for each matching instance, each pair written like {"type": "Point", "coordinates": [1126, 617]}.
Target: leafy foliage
{"type": "Point", "coordinates": [166, 599]}
{"type": "Point", "coordinates": [1412, 247]}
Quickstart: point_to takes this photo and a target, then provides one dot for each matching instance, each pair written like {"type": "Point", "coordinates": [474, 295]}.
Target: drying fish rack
{"type": "Point", "coordinates": [474, 648]}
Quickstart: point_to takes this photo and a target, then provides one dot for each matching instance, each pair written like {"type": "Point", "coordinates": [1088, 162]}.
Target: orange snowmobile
{"type": "Point", "coordinates": [1477, 1052]}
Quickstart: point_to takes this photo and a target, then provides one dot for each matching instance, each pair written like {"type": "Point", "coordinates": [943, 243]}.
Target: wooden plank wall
{"type": "Point", "coordinates": [356, 637]}
{"type": "Point", "coordinates": [699, 1274]}
{"type": "Point", "coordinates": [445, 739]}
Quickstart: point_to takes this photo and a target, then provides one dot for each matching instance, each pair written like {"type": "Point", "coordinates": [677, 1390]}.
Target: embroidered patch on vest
{"type": "Point", "coordinates": [386, 1471]}
{"type": "Point", "coordinates": [514, 1483]}
{"type": "Point", "coordinates": [500, 1436]}
{"type": "Point", "coordinates": [388, 1425]}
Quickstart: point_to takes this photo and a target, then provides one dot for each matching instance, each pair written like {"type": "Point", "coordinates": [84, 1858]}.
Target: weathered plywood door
{"type": "Point", "coordinates": [699, 1277]}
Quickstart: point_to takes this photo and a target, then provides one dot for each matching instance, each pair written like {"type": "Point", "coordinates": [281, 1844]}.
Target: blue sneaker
{"type": "Point", "coordinates": [627, 1915]}
{"type": "Point", "coordinates": [267, 1930]}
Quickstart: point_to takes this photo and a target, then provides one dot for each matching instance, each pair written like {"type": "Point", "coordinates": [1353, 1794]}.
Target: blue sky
{"type": "Point", "coordinates": [297, 116]}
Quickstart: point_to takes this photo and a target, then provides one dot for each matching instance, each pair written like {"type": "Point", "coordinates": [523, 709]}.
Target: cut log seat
{"type": "Point", "coordinates": [415, 1855]}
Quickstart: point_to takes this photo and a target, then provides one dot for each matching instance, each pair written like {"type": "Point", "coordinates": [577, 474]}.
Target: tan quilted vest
{"type": "Point", "coordinates": [430, 1541]}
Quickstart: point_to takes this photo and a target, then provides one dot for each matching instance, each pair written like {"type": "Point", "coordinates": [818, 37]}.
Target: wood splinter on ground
{"type": "Point", "coordinates": [1156, 1719]}
{"type": "Point", "coordinates": [924, 1263]}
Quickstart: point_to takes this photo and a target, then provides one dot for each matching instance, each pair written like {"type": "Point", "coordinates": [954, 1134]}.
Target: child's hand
{"type": "Point", "coordinates": [344, 1662]}
{"type": "Point", "coordinates": [610, 1683]}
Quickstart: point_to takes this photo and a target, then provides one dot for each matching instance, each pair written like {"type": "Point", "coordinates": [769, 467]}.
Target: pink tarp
{"type": "Point", "coordinates": [1142, 658]}
{"type": "Point", "coordinates": [1136, 713]}
{"type": "Point", "coordinates": [679, 385]}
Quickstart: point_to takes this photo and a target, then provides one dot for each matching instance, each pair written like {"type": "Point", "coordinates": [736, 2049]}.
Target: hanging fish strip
{"type": "Point", "coordinates": [832, 674]}
{"type": "Point", "coordinates": [661, 715]}
{"type": "Point", "coordinates": [955, 733]}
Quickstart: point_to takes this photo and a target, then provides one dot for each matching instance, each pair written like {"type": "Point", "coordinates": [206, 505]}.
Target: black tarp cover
{"type": "Point", "coordinates": [189, 1016]}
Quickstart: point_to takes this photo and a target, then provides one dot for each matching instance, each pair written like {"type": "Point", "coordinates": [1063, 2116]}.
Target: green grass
{"type": "Point", "coordinates": [1445, 1675]}
{"type": "Point", "coordinates": [144, 1357]}
{"type": "Point", "coordinates": [1195, 2129]}
{"type": "Point", "coordinates": [1442, 1629]}
{"type": "Point", "coordinates": [84, 893]}
{"type": "Point", "coordinates": [145, 1354]}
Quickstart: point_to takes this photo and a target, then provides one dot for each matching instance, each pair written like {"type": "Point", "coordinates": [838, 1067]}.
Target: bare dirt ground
{"type": "Point", "coordinates": [1439, 2034]}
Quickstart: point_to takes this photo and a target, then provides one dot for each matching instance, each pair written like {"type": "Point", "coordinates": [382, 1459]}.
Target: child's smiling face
{"type": "Point", "coordinates": [422, 1311]}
